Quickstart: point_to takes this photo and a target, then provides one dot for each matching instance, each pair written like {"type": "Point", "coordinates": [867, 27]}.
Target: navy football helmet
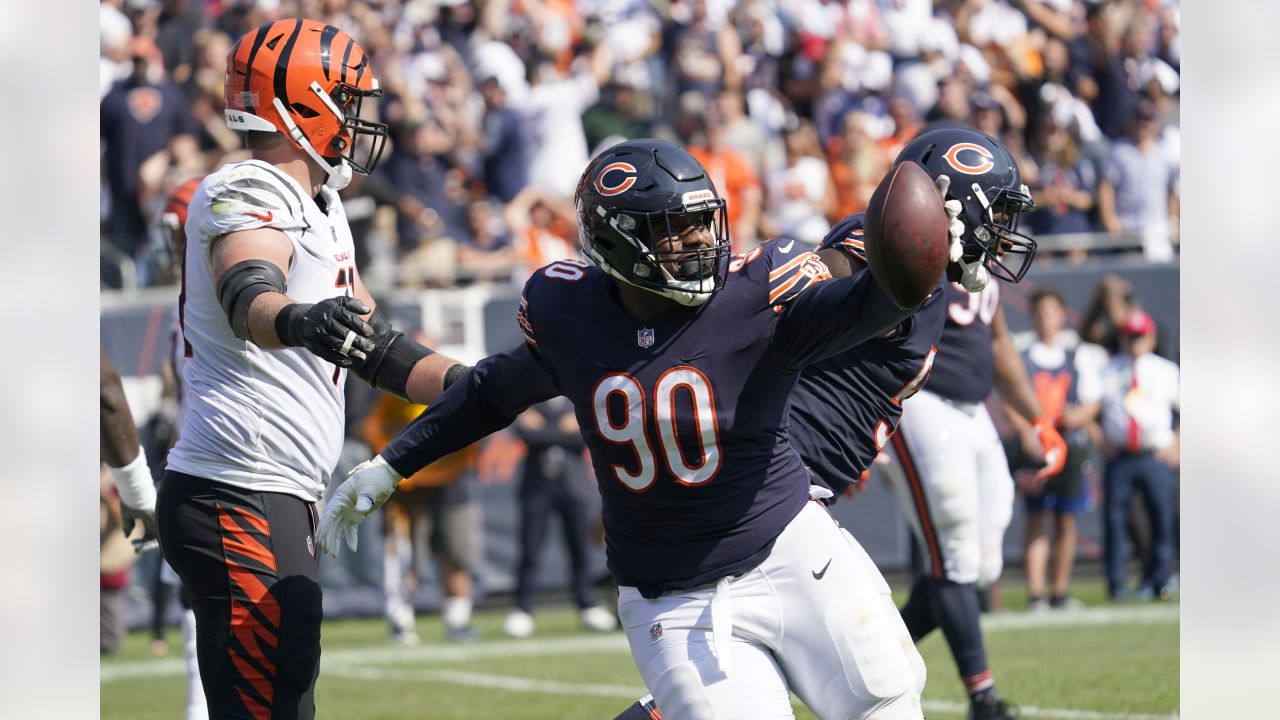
{"type": "Point", "coordinates": [986, 181]}
{"type": "Point", "coordinates": [638, 193]}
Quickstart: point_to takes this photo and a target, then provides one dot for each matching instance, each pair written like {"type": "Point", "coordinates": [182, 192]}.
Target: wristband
{"type": "Point", "coordinates": [133, 482]}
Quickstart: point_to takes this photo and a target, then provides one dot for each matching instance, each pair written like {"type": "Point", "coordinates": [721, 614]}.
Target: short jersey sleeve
{"type": "Point", "coordinates": [244, 196]}
{"type": "Point", "coordinates": [846, 236]}
{"type": "Point", "coordinates": [792, 270]}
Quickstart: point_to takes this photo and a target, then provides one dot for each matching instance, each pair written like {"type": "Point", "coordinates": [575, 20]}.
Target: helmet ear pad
{"type": "Point", "coordinates": [634, 196]}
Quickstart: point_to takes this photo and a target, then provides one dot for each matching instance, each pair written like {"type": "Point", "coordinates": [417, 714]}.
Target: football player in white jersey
{"type": "Point", "coordinates": [273, 317]}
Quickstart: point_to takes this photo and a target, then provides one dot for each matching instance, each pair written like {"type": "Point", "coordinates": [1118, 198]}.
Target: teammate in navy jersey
{"type": "Point", "coordinates": [958, 493]}
{"type": "Point", "coordinates": [679, 363]}
{"type": "Point", "coordinates": [845, 408]}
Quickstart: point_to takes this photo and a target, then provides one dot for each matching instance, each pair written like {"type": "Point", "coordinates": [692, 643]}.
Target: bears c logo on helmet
{"type": "Point", "coordinates": [984, 158]}
{"type": "Point", "coordinates": [623, 173]}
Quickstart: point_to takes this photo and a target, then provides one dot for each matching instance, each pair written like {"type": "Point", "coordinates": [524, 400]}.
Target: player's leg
{"type": "Point", "coordinates": [674, 646]}
{"type": "Point", "coordinates": [936, 443]}
{"type": "Point", "coordinates": [836, 611]}
{"type": "Point", "coordinates": [1117, 487]}
{"type": "Point", "coordinates": [917, 614]}
{"type": "Point", "coordinates": [995, 497]}
{"type": "Point", "coordinates": [249, 564]}
{"type": "Point", "coordinates": [643, 709]}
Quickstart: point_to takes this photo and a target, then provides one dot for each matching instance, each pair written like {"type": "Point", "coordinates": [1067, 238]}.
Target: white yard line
{"type": "Point", "coordinates": [627, 692]}
{"type": "Point", "coordinates": [1105, 615]}
{"type": "Point", "coordinates": [356, 662]}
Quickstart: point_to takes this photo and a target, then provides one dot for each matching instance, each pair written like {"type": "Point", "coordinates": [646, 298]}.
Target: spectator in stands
{"type": "Point", "coordinates": [434, 509]}
{"type": "Point", "coordinates": [1065, 377]}
{"type": "Point", "coordinates": [145, 129]}
{"type": "Point", "coordinates": [1063, 185]}
{"type": "Point", "coordinates": [703, 49]}
{"type": "Point", "coordinates": [1139, 422]}
{"type": "Point", "coordinates": [1137, 193]}
{"type": "Point", "coordinates": [553, 109]}
{"type": "Point", "coordinates": [799, 196]}
{"type": "Point", "coordinates": [486, 252]}
{"type": "Point", "coordinates": [1107, 311]}
{"type": "Point", "coordinates": [555, 480]}
{"type": "Point", "coordinates": [733, 176]}
{"type": "Point", "coordinates": [858, 160]}
{"type": "Point", "coordinates": [620, 115]}
{"type": "Point", "coordinates": [114, 33]}
{"type": "Point", "coordinates": [505, 145]}
{"type": "Point", "coordinates": [431, 192]}
{"type": "Point", "coordinates": [543, 228]}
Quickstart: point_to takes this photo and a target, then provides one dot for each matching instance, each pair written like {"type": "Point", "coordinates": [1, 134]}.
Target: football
{"type": "Point", "coordinates": [905, 235]}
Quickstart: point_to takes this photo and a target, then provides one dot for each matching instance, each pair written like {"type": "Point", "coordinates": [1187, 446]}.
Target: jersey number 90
{"type": "Point", "coordinates": [631, 427]}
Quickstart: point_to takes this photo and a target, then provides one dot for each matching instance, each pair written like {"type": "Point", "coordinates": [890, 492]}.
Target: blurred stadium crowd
{"type": "Point", "coordinates": [796, 106]}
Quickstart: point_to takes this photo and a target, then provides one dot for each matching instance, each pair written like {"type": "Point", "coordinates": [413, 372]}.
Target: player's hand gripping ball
{"type": "Point", "coordinates": [906, 235]}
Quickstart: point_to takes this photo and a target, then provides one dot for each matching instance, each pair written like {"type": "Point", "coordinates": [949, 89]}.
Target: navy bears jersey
{"type": "Point", "coordinates": [684, 413]}
{"type": "Point", "coordinates": [965, 367]}
{"type": "Point", "coordinates": [844, 408]}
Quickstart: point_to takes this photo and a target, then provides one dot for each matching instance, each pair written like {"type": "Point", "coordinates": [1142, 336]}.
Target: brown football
{"type": "Point", "coordinates": [905, 234]}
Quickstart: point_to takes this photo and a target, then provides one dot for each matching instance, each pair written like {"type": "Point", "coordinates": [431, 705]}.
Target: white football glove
{"type": "Point", "coordinates": [973, 275]}
{"type": "Point", "coordinates": [365, 490]}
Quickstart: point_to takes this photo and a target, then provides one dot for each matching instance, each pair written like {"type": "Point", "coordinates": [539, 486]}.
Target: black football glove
{"type": "Point", "coordinates": [331, 329]}
{"type": "Point", "coordinates": [129, 518]}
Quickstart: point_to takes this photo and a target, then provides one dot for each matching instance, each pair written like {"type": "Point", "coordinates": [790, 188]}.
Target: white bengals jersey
{"type": "Point", "coordinates": [265, 420]}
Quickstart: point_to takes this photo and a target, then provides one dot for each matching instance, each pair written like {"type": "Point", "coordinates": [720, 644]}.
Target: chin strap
{"type": "Point", "coordinates": [340, 175]}
{"type": "Point", "coordinates": [974, 276]}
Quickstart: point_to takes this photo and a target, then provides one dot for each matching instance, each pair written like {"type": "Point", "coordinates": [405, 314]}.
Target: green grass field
{"type": "Point", "coordinates": [1108, 662]}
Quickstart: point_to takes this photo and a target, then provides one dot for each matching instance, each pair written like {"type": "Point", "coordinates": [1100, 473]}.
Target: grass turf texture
{"type": "Point", "coordinates": [1110, 663]}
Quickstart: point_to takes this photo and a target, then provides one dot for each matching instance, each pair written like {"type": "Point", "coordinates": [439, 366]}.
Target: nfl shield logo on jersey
{"type": "Point", "coordinates": [655, 632]}
{"type": "Point", "coordinates": [644, 337]}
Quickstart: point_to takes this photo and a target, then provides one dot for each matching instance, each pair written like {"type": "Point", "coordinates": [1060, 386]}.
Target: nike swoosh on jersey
{"type": "Point", "coordinates": [786, 248]}
{"type": "Point", "coordinates": [817, 574]}
{"type": "Point", "coordinates": [263, 217]}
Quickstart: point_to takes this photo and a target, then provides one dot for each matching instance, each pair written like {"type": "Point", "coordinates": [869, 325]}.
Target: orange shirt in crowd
{"type": "Point", "coordinates": [732, 174]}
{"type": "Point", "coordinates": [388, 417]}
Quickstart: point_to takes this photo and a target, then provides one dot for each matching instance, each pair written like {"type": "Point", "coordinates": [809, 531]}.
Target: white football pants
{"type": "Point", "coordinates": [815, 617]}
{"type": "Point", "coordinates": [955, 487]}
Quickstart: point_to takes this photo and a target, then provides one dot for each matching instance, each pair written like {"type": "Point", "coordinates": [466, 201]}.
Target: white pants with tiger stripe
{"type": "Point", "coordinates": [955, 487]}
{"type": "Point", "coordinates": [815, 618]}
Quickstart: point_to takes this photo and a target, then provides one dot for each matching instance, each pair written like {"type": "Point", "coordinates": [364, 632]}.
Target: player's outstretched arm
{"type": "Point", "coordinates": [398, 365]}
{"type": "Point", "coordinates": [486, 399]}
{"type": "Point", "coordinates": [251, 286]}
{"type": "Point", "coordinates": [833, 315]}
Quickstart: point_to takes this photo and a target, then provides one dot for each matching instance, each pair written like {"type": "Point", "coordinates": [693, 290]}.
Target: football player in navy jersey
{"type": "Point", "coordinates": [845, 408]}
{"type": "Point", "coordinates": [679, 362]}
{"type": "Point", "coordinates": [958, 493]}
